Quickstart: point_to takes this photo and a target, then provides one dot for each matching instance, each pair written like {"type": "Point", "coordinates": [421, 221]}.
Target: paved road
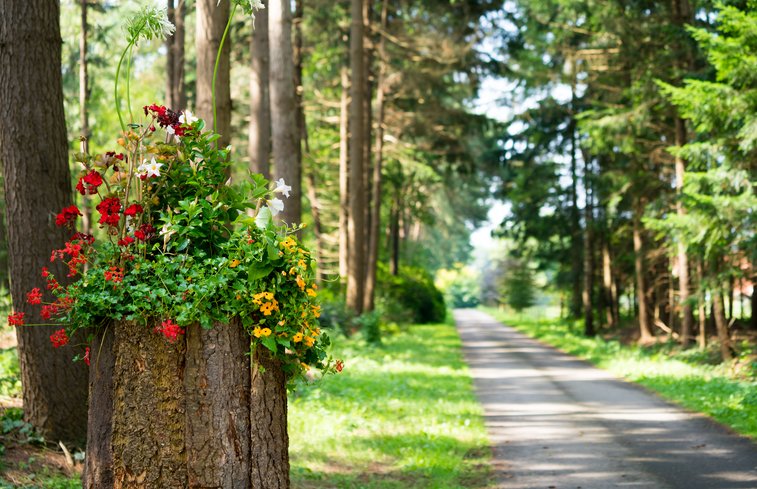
{"type": "Point", "coordinates": [556, 422]}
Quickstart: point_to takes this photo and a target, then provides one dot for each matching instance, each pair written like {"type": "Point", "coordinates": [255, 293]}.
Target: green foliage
{"type": "Point", "coordinates": [518, 287]}
{"type": "Point", "coordinates": [410, 296]}
{"type": "Point", "coordinates": [682, 376]}
{"type": "Point", "coordinates": [401, 415]}
{"type": "Point", "coordinates": [10, 374]}
{"type": "Point", "coordinates": [460, 286]}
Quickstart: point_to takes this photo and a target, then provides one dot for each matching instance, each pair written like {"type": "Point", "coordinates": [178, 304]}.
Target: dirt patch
{"type": "Point", "coordinates": [23, 465]}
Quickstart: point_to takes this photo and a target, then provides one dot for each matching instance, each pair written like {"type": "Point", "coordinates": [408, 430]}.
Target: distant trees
{"type": "Point", "coordinates": [605, 136]}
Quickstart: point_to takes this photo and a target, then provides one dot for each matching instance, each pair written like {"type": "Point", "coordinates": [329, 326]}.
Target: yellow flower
{"type": "Point", "coordinates": [265, 332]}
{"type": "Point", "coordinates": [234, 263]}
{"type": "Point", "coordinates": [257, 332]}
{"type": "Point", "coordinates": [297, 338]}
{"type": "Point", "coordinates": [301, 263]}
{"type": "Point", "coordinates": [300, 283]}
{"type": "Point", "coordinates": [316, 311]}
{"type": "Point", "coordinates": [305, 366]}
{"type": "Point", "coordinates": [267, 308]}
{"type": "Point", "coordinates": [312, 293]}
{"type": "Point", "coordinates": [309, 341]}
{"type": "Point", "coordinates": [269, 295]}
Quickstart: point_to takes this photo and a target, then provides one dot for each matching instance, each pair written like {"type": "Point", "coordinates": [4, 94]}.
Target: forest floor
{"type": "Point", "coordinates": [555, 421]}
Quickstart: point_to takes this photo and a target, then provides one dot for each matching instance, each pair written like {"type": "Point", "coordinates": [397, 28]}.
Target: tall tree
{"type": "Point", "coordinates": [176, 95]}
{"type": "Point", "coordinates": [259, 137]}
{"type": "Point", "coordinates": [34, 157]}
{"type": "Point", "coordinates": [356, 190]}
{"type": "Point", "coordinates": [211, 21]}
{"type": "Point", "coordinates": [285, 138]}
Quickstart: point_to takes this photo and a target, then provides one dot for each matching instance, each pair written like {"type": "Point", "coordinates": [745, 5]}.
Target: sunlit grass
{"type": "Point", "coordinates": [689, 378]}
{"type": "Point", "coordinates": [400, 415]}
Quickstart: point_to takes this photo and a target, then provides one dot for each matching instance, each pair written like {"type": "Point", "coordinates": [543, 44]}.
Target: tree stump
{"type": "Point", "coordinates": [170, 415]}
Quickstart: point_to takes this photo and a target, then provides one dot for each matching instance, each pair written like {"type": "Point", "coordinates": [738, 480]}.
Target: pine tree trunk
{"type": "Point", "coordinates": [641, 286]}
{"type": "Point", "coordinates": [375, 221]}
{"type": "Point", "coordinates": [176, 96]}
{"type": "Point", "coordinates": [721, 325]}
{"type": "Point", "coordinates": [609, 286]}
{"type": "Point", "coordinates": [684, 284]}
{"type": "Point", "coordinates": [211, 21]}
{"type": "Point", "coordinates": [34, 155]}
{"type": "Point", "coordinates": [702, 307]}
{"type": "Point", "coordinates": [588, 275]}
{"type": "Point", "coordinates": [84, 203]}
{"type": "Point", "coordinates": [367, 131]}
{"type": "Point", "coordinates": [169, 416]}
{"type": "Point", "coordinates": [268, 419]}
{"type": "Point", "coordinates": [259, 136]}
{"type": "Point", "coordinates": [356, 227]}
{"type": "Point", "coordinates": [344, 203]}
{"type": "Point", "coordinates": [285, 140]}
{"type": "Point", "coordinates": [576, 299]}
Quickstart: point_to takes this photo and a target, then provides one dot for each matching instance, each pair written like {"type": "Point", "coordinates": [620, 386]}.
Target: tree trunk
{"type": "Point", "coordinates": [394, 235]}
{"type": "Point", "coordinates": [684, 284]}
{"type": "Point", "coordinates": [724, 338]}
{"type": "Point", "coordinates": [702, 307]}
{"type": "Point", "coordinates": [268, 418]}
{"type": "Point", "coordinates": [344, 204]}
{"type": "Point", "coordinates": [375, 221]}
{"type": "Point", "coordinates": [85, 208]}
{"type": "Point", "coordinates": [367, 130]}
{"type": "Point", "coordinates": [211, 22]}
{"type": "Point", "coordinates": [176, 96]}
{"type": "Point", "coordinates": [641, 286]}
{"type": "Point", "coordinates": [588, 280]}
{"type": "Point", "coordinates": [576, 299]}
{"type": "Point", "coordinates": [609, 286]}
{"type": "Point", "coordinates": [356, 228]}
{"type": "Point", "coordinates": [34, 156]}
{"type": "Point", "coordinates": [286, 164]}
{"type": "Point", "coordinates": [259, 136]}
{"type": "Point", "coordinates": [169, 416]}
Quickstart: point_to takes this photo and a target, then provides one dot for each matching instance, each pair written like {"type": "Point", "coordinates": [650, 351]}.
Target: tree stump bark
{"type": "Point", "coordinates": [169, 416]}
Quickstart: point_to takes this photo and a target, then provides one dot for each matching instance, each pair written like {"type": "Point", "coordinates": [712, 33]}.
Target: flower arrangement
{"type": "Point", "coordinates": [181, 245]}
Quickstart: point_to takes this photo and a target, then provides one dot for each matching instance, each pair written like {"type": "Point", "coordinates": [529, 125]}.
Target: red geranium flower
{"type": "Point", "coordinates": [48, 310]}
{"type": "Point", "coordinates": [16, 319]}
{"type": "Point", "coordinates": [59, 338]}
{"type": "Point", "coordinates": [35, 296]}
{"type": "Point", "coordinates": [170, 330]}
{"type": "Point", "coordinates": [133, 210]}
{"type": "Point", "coordinates": [86, 356]}
{"type": "Point", "coordinates": [145, 232]}
{"type": "Point", "coordinates": [110, 209]}
{"type": "Point", "coordinates": [67, 216]}
{"type": "Point", "coordinates": [126, 241]}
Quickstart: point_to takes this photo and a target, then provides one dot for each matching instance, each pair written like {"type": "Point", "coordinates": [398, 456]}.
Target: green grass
{"type": "Point", "coordinates": [691, 378]}
{"type": "Point", "coordinates": [399, 415]}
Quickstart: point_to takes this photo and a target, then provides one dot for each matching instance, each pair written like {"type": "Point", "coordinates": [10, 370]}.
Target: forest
{"type": "Point", "coordinates": [288, 196]}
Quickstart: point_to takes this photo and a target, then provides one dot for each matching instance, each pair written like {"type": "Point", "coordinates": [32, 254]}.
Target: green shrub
{"type": "Point", "coordinates": [410, 297]}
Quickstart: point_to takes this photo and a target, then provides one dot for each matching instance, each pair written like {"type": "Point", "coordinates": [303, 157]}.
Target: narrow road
{"type": "Point", "coordinates": [557, 422]}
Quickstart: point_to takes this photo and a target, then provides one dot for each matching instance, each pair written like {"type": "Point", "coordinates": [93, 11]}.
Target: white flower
{"type": "Point", "coordinates": [151, 169]}
{"type": "Point", "coordinates": [256, 5]}
{"type": "Point", "coordinates": [276, 206]}
{"type": "Point", "coordinates": [170, 130]}
{"type": "Point", "coordinates": [187, 118]}
{"type": "Point", "coordinates": [282, 187]}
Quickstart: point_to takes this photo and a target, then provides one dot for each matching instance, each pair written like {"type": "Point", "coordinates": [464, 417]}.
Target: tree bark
{"type": "Point", "coordinates": [641, 286]}
{"type": "Point", "coordinates": [34, 156]}
{"type": "Point", "coordinates": [588, 279]}
{"type": "Point", "coordinates": [169, 416]}
{"type": "Point", "coordinates": [211, 21]}
{"type": "Point", "coordinates": [176, 96]}
{"type": "Point", "coordinates": [268, 419]}
{"type": "Point", "coordinates": [367, 131]}
{"type": "Point", "coordinates": [724, 338]}
{"type": "Point", "coordinates": [702, 307]}
{"type": "Point", "coordinates": [684, 284]}
{"type": "Point", "coordinates": [576, 298]}
{"type": "Point", "coordinates": [375, 221]}
{"type": "Point", "coordinates": [356, 228]}
{"type": "Point", "coordinates": [344, 204]}
{"type": "Point", "coordinates": [286, 163]}
{"type": "Point", "coordinates": [609, 286]}
{"type": "Point", "coordinates": [85, 207]}
{"type": "Point", "coordinates": [259, 136]}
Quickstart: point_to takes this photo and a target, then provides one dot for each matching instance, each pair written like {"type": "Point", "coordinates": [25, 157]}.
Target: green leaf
{"type": "Point", "coordinates": [256, 272]}
{"type": "Point", "coordinates": [269, 342]}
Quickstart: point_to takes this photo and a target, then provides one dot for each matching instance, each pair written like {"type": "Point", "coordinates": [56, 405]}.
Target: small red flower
{"type": "Point", "coordinates": [59, 338]}
{"type": "Point", "coordinates": [114, 274]}
{"type": "Point", "coordinates": [16, 319]}
{"type": "Point", "coordinates": [145, 232]}
{"type": "Point", "coordinates": [86, 356]}
{"type": "Point", "coordinates": [35, 296]}
{"type": "Point", "coordinates": [339, 365]}
{"type": "Point", "coordinates": [67, 216]}
{"type": "Point", "coordinates": [48, 310]}
{"type": "Point", "coordinates": [126, 241]}
{"type": "Point", "coordinates": [93, 178]}
{"type": "Point", "coordinates": [170, 330]}
{"type": "Point", "coordinates": [109, 209]}
{"type": "Point", "coordinates": [133, 210]}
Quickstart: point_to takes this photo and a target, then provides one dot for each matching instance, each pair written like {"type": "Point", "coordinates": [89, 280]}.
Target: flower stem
{"type": "Point", "coordinates": [128, 83]}
{"type": "Point", "coordinates": [115, 88]}
{"type": "Point", "coordinates": [218, 61]}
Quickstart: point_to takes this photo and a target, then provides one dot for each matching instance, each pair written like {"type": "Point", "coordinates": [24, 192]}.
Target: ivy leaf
{"type": "Point", "coordinates": [269, 342]}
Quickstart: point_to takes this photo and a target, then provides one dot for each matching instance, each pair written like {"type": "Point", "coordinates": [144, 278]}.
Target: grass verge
{"type": "Point", "coordinates": [399, 415]}
{"type": "Point", "coordinates": [690, 378]}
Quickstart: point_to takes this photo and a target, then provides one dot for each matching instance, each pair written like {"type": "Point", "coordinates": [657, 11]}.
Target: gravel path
{"type": "Point", "coordinates": [557, 422]}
